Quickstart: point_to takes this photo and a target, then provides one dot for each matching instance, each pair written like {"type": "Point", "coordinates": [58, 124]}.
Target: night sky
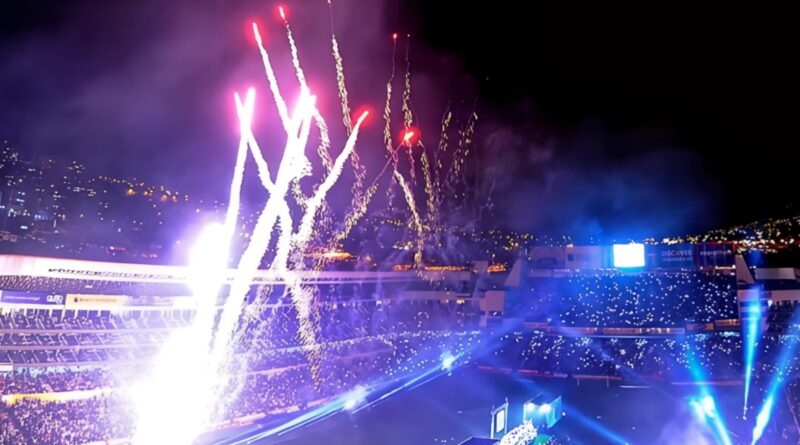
{"type": "Point", "coordinates": [618, 120]}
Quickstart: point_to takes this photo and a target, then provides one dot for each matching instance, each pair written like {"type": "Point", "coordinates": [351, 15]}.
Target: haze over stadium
{"type": "Point", "coordinates": [339, 222]}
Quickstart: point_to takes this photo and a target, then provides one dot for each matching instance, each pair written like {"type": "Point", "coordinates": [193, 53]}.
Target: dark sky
{"type": "Point", "coordinates": [604, 119]}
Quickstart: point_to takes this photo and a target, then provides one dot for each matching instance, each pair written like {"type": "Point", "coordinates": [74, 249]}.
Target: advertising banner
{"type": "Point", "coordinates": [95, 302]}
{"type": "Point", "coordinates": [547, 257]}
{"type": "Point", "coordinates": [674, 256]}
{"type": "Point", "coordinates": [583, 258]}
{"type": "Point", "coordinates": [150, 301]}
{"type": "Point", "coordinates": [23, 297]}
{"type": "Point", "coordinates": [715, 254]}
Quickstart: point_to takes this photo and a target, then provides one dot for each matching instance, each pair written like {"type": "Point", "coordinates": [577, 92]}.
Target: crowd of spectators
{"type": "Point", "coordinates": [89, 321]}
{"type": "Point", "coordinates": [367, 340]}
{"type": "Point", "coordinates": [359, 341]}
{"type": "Point", "coordinates": [781, 316]}
{"type": "Point", "coordinates": [27, 381]}
{"type": "Point", "coordinates": [290, 383]}
{"type": "Point", "coordinates": [72, 423]}
{"type": "Point", "coordinates": [717, 356]}
{"type": "Point", "coordinates": [10, 434]}
{"type": "Point", "coordinates": [614, 299]}
{"type": "Point", "coordinates": [44, 339]}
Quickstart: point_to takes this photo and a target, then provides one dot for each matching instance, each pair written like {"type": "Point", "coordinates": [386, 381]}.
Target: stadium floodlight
{"type": "Point", "coordinates": [628, 256]}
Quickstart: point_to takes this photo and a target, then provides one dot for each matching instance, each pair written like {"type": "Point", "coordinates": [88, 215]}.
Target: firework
{"type": "Point", "coordinates": [197, 370]}
{"type": "Point", "coordinates": [387, 128]}
{"type": "Point", "coordinates": [359, 172]}
{"type": "Point", "coordinates": [429, 192]}
{"type": "Point", "coordinates": [188, 377]}
{"type": "Point", "coordinates": [413, 208]}
{"type": "Point", "coordinates": [441, 151]}
{"type": "Point", "coordinates": [308, 220]}
{"type": "Point", "coordinates": [408, 116]}
{"type": "Point", "coordinates": [323, 149]}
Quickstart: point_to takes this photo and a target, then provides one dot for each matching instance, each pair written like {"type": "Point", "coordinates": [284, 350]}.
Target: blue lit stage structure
{"type": "Point", "coordinates": [543, 413]}
{"type": "Point", "coordinates": [499, 421]}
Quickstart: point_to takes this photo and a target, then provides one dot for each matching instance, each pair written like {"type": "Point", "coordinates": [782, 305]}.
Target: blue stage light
{"type": "Point", "coordinates": [763, 418]}
{"type": "Point", "coordinates": [530, 406]}
{"type": "Point", "coordinates": [709, 408]}
{"type": "Point", "coordinates": [785, 357]}
{"type": "Point", "coordinates": [447, 362]}
{"type": "Point", "coordinates": [705, 406]}
{"type": "Point", "coordinates": [752, 319]}
{"type": "Point", "coordinates": [358, 395]}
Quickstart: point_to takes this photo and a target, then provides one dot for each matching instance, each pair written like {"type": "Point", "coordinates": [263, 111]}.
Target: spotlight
{"type": "Point", "coordinates": [354, 398]}
{"type": "Point", "coordinates": [350, 403]}
{"type": "Point", "coordinates": [545, 408]}
{"type": "Point", "coordinates": [447, 362]}
{"type": "Point", "coordinates": [530, 406]}
{"type": "Point", "coordinates": [705, 409]}
{"type": "Point", "coordinates": [709, 408]}
{"type": "Point", "coordinates": [762, 420]}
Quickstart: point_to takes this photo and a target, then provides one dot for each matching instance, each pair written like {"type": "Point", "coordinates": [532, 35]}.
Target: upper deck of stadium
{"type": "Point", "coordinates": [45, 274]}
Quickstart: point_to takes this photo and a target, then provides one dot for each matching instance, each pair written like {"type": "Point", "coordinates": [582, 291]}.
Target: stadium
{"type": "Point", "coordinates": [654, 335]}
{"type": "Point", "coordinates": [602, 261]}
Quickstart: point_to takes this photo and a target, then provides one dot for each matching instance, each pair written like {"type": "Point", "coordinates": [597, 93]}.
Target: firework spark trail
{"type": "Point", "coordinates": [280, 104]}
{"type": "Point", "coordinates": [291, 166]}
{"type": "Point", "coordinates": [359, 172]}
{"type": "Point", "coordinates": [462, 151]}
{"type": "Point", "coordinates": [441, 151]}
{"type": "Point", "coordinates": [408, 116]}
{"type": "Point", "coordinates": [245, 113]}
{"type": "Point", "coordinates": [340, 82]}
{"type": "Point", "coordinates": [323, 149]}
{"type": "Point", "coordinates": [417, 222]}
{"type": "Point", "coordinates": [283, 210]}
{"type": "Point", "coordinates": [408, 121]}
{"type": "Point", "coordinates": [301, 296]}
{"type": "Point", "coordinates": [315, 201]}
{"type": "Point", "coordinates": [387, 128]}
{"type": "Point", "coordinates": [284, 213]}
{"type": "Point", "coordinates": [467, 140]}
{"type": "Point", "coordinates": [361, 209]}
{"type": "Point", "coordinates": [429, 193]}
{"type": "Point", "coordinates": [358, 212]}
{"type": "Point", "coordinates": [337, 57]}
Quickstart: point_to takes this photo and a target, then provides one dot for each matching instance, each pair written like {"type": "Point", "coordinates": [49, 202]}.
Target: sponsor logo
{"type": "Point", "coordinates": [55, 299]}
